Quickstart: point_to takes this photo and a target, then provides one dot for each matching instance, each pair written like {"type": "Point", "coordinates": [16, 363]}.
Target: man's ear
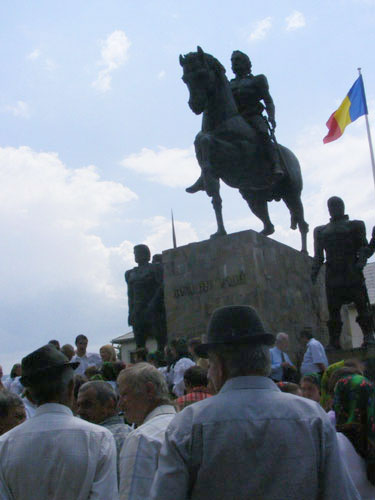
{"type": "Point", "coordinates": [70, 391]}
{"type": "Point", "coordinates": [28, 395]}
{"type": "Point", "coordinates": [222, 370]}
{"type": "Point", "coordinates": [150, 390]}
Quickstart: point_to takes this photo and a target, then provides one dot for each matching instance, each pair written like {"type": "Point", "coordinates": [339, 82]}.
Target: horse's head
{"type": "Point", "coordinates": [200, 75]}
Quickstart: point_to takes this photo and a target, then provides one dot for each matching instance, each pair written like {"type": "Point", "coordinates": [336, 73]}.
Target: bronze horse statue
{"type": "Point", "coordinates": [228, 148]}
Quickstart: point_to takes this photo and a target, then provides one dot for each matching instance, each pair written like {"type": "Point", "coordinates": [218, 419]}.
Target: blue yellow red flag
{"type": "Point", "coordinates": [352, 107]}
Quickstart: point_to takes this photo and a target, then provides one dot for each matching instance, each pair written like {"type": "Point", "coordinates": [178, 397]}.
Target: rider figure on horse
{"type": "Point", "coordinates": [248, 92]}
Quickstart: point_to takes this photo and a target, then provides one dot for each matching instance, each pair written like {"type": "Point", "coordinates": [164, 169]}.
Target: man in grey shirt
{"type": "Point", "coordinates": [250, 440]}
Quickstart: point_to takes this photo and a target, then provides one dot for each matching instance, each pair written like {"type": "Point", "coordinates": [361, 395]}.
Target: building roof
{"type": "Point", "coordinates": [369, 273]}
{"type": "Point", "coordinates": [122, 339]}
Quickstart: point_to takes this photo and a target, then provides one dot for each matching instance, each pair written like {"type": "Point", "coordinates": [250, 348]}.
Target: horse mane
{"type": "Point", "coordinates": [211, 61]}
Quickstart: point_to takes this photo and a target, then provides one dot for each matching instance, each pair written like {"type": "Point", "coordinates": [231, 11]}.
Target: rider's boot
{"type": "Point", "coordinates": [365, 321]}
{"type": "Point", "coordinates": [334, 329]}
{"type": "Point", "coordinates": [277, 170]}
{"type": "Point", "coordinates": [197, 186]}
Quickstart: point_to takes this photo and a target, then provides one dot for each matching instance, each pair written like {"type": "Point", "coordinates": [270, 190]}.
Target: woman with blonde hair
{"type": "Point", "coordinates": [108, 353]}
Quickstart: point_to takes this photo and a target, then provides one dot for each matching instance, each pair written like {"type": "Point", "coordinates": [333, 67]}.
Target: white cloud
{"type": "Point", "coordinates": [50, 64]}
{"type": "Point", "coordinates": [20, 109]}
{"type": "Point", "coordinates": [171, 167]}
{"type": "Point", "coordinates": [58, 274]}
{"type": "Point", "coordinates": [114, 53]}
{"type": "Point", "coordinates": [261, 29]}
{"type": "Point", "coordinates": [295, 20]}
{"type": "Point", "coordinates": [44, 62]}
{"type": "Point", "coordinates": [161, 74]}
{"type": "Point", "coordinates": [35, 54]}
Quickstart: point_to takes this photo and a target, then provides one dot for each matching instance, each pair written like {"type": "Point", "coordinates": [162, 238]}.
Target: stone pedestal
{"type": "Point", "coordinates": [243, 268]}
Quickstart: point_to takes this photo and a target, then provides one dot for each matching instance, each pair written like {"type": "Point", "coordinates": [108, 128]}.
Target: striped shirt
{"type": "Point", "coordinates": [140, 454]}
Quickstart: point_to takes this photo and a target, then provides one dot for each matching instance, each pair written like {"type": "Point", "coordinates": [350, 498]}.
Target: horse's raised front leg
{"type": "Point", "coordinates": [259, 207]}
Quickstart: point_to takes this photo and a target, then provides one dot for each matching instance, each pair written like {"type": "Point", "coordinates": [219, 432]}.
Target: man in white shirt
{"type": "Point", "coordinates": [55, 455]}
{"type": "Point", "coordinates": [315, 359]}
{"type": "Point", "coordinates": [145, 400]}
{"type": "Point", "coordinates": [280, 360]}
{"type": "Point", "coordinates": [84, 358]}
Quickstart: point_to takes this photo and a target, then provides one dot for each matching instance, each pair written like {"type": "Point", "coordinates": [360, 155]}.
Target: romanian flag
{"type": "Point", "coordinates": [352, 107]}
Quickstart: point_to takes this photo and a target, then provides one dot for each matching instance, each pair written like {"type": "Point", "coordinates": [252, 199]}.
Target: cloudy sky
{"type": "Point", "coordinates": [96, 142]}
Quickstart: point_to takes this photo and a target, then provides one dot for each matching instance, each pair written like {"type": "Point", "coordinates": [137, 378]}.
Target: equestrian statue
{"type": "Point", "coordinates": [237, 143]}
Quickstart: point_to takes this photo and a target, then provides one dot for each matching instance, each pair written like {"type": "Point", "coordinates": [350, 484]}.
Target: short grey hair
{"type": "Point", "coordinates": [139, 375]}
{"type": "Point", "coordinates": [245, 359]}
{"type": "Point", "coordinates": [104, 391]}
{"type": "Point", "coordinates": [9, 400]}
{"type": "Point", "coordinates": [51, 386]}
{"type": "Point", "coordinates": [282, 336]}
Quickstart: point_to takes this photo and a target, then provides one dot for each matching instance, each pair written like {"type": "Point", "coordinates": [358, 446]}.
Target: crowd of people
{"type": "Point", "coordinates": [231, 418]}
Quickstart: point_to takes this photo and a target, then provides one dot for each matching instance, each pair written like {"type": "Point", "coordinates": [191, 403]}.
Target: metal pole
{"type": "Point", "coordinates": [369, 137]}
{"type": "Point", "coordinates": [173, 232]}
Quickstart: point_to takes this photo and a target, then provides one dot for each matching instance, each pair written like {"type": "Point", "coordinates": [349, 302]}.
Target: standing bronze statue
{"type": "Point", "coordinates": [345, 246]}
{"type": "Point", "coordinates": [236, 144]}
{"type": "Point", "coordinates": [146, 299]}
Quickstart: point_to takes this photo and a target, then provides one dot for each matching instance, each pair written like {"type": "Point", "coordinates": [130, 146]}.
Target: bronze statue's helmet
{"type": "Point", "coordinates": [143, 250]}
{"type": "Point", "coordinates": [336, 206]}
{"type": "Point", "coordinates": [244, 57]}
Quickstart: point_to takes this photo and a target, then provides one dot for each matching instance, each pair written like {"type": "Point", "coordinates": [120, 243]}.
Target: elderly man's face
{"type": "Point", "coordinates": [16, 416]}
{"type": "Point", "coordinates": [283, 343]}
{"type": "Point", "coordinates": [135, 405]}
{"type": "Point", "coordinates": [91, 409]}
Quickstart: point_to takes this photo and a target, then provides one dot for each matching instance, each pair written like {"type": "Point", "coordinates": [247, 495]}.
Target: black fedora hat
{"type": "Point", "coordinates": [46, 359]}
{"type": "Point", "coordinates": [234, 325]}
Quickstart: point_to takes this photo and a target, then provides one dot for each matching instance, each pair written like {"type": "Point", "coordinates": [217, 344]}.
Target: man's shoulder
{"type": "Point", "coordinates": [69, 423]}
{"type": "Point", "coordinates": [319, 229]}
{"type": "Point", "coordinates": [130, 273]}
{"type": "Point", "coordinates": [78, 424]}
{"type": "Point", "coordinates": [314, 343]}
{"type": "Point", "coordinates": [93, 355]}
{"type": "Point", "coordinates": [232, 405]}
{"type": "Point", "coordinates": [153, 427]}
{"type": "Point", "coordinates": [357, 224]}
{"type": "Point", "coordinates": [261, 80]}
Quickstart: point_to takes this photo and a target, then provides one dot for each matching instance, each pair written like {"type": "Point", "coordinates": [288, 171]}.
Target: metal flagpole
{"type": "Point", "coordinates": [173, 232]}
{"type": "Point", "coordinates": [369, 135]}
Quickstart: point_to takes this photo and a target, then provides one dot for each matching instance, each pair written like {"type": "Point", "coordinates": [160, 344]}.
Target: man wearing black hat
{"type": "Point", "coordinates": [54, 455]}
{"type": "Point", "coordinates": [250, 440]}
